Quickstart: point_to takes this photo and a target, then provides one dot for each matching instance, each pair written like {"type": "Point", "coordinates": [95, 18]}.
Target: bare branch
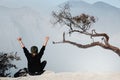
{"type": "Point", "coordinates": [93, 44]}
{"type": "Point", "coordinates": [81, 24]}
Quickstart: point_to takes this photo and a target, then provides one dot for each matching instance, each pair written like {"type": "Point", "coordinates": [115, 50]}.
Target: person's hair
{"type": "Point", "coordinates": [34, 49]}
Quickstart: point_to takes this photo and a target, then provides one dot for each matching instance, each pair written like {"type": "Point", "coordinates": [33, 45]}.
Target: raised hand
{"type": "Point", "coordinates": [19, 39]}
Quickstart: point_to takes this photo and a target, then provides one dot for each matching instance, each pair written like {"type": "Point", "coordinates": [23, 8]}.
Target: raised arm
{"type": "Point", "coordinates": [20, 41]}
{"type": "Point", "coordinates": [46, 41]}
{"type": "Point", "coordinates": [43, 47]}
{"type": "Point", "coordinates": [23, 46]}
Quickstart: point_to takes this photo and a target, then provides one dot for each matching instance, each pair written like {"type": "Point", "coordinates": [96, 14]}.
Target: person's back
{"type": "Point", "coordinates": [34, 61]}
{"type": "Point", "coordinates": [35, 66]}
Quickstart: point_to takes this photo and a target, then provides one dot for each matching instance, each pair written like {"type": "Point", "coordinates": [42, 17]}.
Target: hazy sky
{"type": "Point", "coordinates": [45, 5]}
{"type": "Point", "coordinates": [112, 2]}
{"type": "Point", "coordinates": [18, 3]}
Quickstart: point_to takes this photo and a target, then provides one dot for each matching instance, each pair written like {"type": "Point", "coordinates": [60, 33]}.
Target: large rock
{"type": "Point", "coordinates": [48, 75]}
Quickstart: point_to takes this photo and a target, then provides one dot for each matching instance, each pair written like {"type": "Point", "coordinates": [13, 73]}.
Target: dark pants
{"type": "Point", "coordinates": [43, 64]}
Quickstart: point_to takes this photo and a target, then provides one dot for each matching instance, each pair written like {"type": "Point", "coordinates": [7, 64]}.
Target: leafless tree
{"type": "Point", "coordinates": [81, 24]}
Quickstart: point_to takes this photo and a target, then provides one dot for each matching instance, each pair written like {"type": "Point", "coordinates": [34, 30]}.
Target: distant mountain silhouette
{"type": "Point", "coordinates": [107, 15]}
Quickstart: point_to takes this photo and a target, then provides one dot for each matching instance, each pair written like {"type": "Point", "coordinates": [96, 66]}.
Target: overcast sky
{"type": "Point", "coordinates": [45, 5]}
{"type": "Point", "coordinates": [41, 3]}
{"type": "Point", "coordinates": [115, 3]}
